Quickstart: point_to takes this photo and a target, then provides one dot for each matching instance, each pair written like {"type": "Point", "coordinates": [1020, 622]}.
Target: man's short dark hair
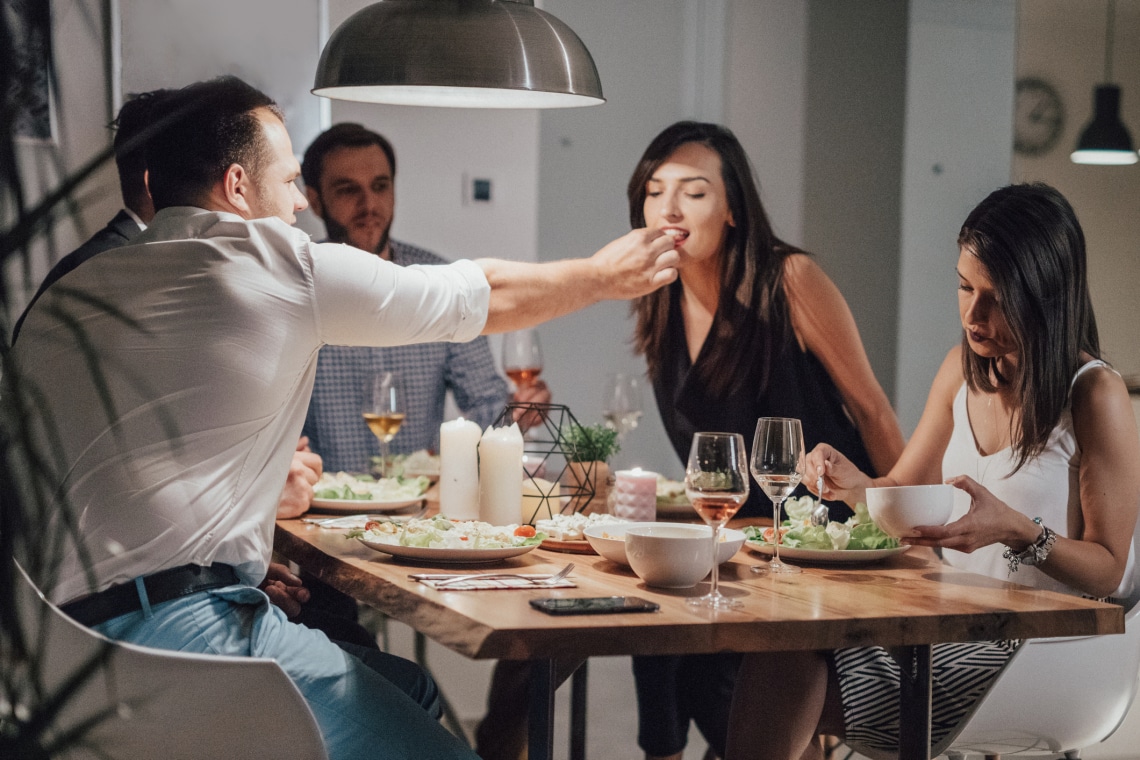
{"type": "Point", "coordinates": [202, 130]}
{"type": "Point", "coordinates": [131, 134]}
{"type": "Point", "coordinates": [345, 135]}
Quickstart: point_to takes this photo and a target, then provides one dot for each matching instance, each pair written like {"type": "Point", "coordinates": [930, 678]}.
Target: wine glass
{"type": "Point", "coordinates": [716, 482]}
{"type": "Point", "coordinates": [522, 357]}
{"type": "Point", "coordinates": [384, 410]}
{"type": "Point", "coordinates": [778, 466]}
{"type": "Point", "coordinates": [621, 406]}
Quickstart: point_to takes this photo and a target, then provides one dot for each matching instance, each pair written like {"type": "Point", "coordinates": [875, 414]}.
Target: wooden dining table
{"type": "Point", "coordinates": [910, 601]}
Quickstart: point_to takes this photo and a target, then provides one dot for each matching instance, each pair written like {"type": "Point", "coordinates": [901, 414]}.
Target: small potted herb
{"type": "Point", "coordinates": [587, 449]}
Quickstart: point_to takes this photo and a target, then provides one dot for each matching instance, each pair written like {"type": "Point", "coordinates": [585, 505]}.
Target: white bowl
{"type": "Point", "coordinates": [898, 510]}
{"type": "Point", "coordinates": [608, 540]}
{"type": "Point", "coordinates": [669, 556]}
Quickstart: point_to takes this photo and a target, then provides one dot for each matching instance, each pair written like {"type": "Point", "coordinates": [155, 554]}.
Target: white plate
{"type": "Point", "coordinates": [355, 506]}
{"type": "Point", "coordinates": [827, 556]}
{"type": "Point", "coordinates": [447, 556]}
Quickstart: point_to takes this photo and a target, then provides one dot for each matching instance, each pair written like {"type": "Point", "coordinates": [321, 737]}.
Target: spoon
{"type": "Point", "coordinates": [819, 515]}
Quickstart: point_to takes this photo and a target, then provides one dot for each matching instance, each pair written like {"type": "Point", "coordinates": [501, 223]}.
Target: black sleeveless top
{"type": "Point", "coordinates": [798, 386]}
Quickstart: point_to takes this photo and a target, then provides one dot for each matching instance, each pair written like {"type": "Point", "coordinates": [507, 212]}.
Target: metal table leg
{"type": "Point", "coordinates": [578, 690]}
{"type": "Point", "coordinates": [914, 703]}
{"type": "Point", "coordinates": [540, 745]}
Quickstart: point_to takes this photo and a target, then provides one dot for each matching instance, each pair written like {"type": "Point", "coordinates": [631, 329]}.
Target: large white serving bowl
{"type": "Point", "coordinates": [608, 539]}
{"type": "Point", "coordinates": [669, 556]}
{"type": "Point", "coordinates": [898, 510]}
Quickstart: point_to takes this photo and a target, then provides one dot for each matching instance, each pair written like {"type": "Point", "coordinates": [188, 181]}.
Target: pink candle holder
{"type": "Point", "coordinates": [635, 495]}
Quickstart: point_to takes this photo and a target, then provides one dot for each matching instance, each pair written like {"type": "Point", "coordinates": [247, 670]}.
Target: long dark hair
{"type": "Point", "coordinates": [751, 319]}
{"type": "Point", "coordinates": [1031, 244]}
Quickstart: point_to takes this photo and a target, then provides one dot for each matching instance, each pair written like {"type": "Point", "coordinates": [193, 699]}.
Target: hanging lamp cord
{"type": "Point", "coordinates": [1109, 19]}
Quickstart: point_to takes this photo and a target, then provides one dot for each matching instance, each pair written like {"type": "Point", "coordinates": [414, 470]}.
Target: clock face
{"type": "Point", "coordinates": [1038, 117]}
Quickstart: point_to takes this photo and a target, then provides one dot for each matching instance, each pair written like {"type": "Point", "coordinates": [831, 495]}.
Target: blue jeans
{"type": "Point", "coordinates": [361, 713]}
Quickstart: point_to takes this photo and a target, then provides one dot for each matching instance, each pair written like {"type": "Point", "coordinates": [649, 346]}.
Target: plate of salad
{"type": "Point", "coordinates": [438, 539]}
{"type": "Point", "coordinates": [857, 540]}
{"type": "Point", "coordinates": [342, 492]}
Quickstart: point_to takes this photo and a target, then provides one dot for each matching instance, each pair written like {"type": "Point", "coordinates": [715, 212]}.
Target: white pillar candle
{"type": "Point", "coordinates": [635, 495]}
{"type": "Point", "coordinates": [459, 469]}
{"type": "Point", "coordinates": [500, 475]}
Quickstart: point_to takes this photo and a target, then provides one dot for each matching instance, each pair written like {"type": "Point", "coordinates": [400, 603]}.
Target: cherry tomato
{"type": "Point", "coordinates": [372, 525]}
{"type": "Point", "coordinates": [525, 531]}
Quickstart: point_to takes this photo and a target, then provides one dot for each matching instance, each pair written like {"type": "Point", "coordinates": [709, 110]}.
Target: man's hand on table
{"type": "Point", "coordinates": [304, 472]}
{"type": "Point", "coordinates": [284, 589]}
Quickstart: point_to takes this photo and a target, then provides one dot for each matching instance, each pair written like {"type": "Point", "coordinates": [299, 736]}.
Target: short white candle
{"type": "Point", "coordinates": [459, 469]}
{"type": "Point", "coordinates": [500, 475]}
{"type": "Point", "coordinates": [540, 500]}
{"type": "Point", "coordinates": [635, 495]}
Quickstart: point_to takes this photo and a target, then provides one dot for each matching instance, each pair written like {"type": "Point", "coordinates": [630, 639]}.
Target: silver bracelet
{"type": "Point", "coordinates": [1034, 554]}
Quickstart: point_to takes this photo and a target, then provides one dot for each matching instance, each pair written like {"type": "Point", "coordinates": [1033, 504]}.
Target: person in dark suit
{"type": "Point", "coordinates": [130, 159]}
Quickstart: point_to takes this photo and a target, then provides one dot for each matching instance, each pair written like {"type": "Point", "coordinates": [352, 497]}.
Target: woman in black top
{"type": "Point", "coordinates": [752, 328]}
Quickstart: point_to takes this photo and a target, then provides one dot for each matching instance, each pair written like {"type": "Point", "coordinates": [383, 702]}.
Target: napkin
{"type": "Point", "coordinates": [483, 584]}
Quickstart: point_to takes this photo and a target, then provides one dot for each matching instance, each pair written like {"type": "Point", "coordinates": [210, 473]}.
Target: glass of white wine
{"type": "Point", "coordinates": [778, 466]}
{"type": "Point", "coordinates": [716, 482]}
{"type": "Point", "coordinates": [621, 406]}
{"type": "Point", "coordinates": [384, 410]}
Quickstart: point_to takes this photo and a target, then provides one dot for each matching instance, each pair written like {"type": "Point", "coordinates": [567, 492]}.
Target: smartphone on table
{"type": "Point", "coordinates": [593, 605]}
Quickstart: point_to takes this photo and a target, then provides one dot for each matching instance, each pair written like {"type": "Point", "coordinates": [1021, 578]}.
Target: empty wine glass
{"type": "Point", "coordinates": [621, 406]}
{"type": "Point", "coordinates": [384, 410]}
{"type": "Point", "coordinates": [716, 482]}
{"type": "Point", "coordinates": [778, 466]}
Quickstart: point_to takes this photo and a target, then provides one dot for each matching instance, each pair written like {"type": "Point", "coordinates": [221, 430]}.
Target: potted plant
{"type": "Point", "coordinates": [587, 449]}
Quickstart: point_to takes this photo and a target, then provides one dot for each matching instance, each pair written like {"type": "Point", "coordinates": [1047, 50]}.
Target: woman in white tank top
{"type": "Point", "coordinates": [1036, 433]}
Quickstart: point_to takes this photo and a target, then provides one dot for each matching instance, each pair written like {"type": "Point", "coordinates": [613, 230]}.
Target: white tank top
{"type": "Point", "coordinates": [1046, 486]}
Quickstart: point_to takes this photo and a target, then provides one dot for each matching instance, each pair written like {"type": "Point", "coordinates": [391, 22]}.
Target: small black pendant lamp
{"type": "Point", "coordinates": [1105, 140]}
{"type": "Point", "coordinates": [459, 53]}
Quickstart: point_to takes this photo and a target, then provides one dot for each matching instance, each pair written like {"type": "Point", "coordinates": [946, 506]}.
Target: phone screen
{"type": "Point", "coordinates": [594, 605]}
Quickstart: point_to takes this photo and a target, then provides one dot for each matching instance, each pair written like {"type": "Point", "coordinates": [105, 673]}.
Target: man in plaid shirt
{"type": "Point", "coordinates": [349, 174]}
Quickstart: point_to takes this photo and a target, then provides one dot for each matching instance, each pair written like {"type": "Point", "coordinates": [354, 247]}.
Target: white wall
{"type": "Point", "coordinates": [957, 149]}
{"type": "Point", "coordinates": [1062, 41]}
{"type": "Point", "coordinates": [765, 102]}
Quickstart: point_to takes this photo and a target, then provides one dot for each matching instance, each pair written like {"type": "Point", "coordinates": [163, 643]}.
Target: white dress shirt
{"type": "Point", "coordinates": [205, 332]}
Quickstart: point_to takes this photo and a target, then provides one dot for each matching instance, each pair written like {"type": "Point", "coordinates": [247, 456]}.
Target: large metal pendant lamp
{"type": "Point", "coordinates": [458, 53]}
{"type": "Point", "coordinates": [1105, 140]}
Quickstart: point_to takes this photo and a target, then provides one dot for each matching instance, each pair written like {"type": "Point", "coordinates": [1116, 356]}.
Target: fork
{"type": "Point", "coordinates": [539, 581]}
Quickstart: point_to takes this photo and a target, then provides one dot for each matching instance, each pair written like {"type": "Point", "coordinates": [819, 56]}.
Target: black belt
{"type": "Point", "coordinates": [164, 586]}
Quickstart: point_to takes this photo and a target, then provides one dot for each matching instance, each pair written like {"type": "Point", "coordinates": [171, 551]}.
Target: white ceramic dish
{"type": "Point", "coordinates": [608, 540]}
{"type": "Point", "coordinates": [669, 555]}
{"type": "Point", "coordinates": [898, 510]}
{"type": "Point", "coordinates": [448, 556]}
{"type": "Point", "coordinates": [827, 556]}
{"type": "Point", "coordinates": [355, 506]}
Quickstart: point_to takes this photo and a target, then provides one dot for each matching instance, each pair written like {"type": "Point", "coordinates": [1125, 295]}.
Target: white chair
{"type": "Point", "coordinates": [1059, 696]}
{"type": "Point", "coordinates": [170, 705]}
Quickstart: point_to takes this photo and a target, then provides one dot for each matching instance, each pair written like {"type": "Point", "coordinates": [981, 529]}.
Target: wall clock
{"type": "Point", "coordinates": [1039, 117]}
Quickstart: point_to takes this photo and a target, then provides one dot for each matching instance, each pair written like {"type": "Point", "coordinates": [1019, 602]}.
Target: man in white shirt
{"type": "Point", "coordinates": [171, 396]}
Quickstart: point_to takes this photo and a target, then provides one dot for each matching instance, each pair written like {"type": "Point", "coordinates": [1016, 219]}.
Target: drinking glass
{"type": "Point", "coordinates": [778, 466]}
{"type": "Point", "coordinates": [522, 357]}
{"type": "Point", "coordinates": [621, 406]}
{"type": "Point", "coordinates": [716, 482]}
{"type": "Point", "coordinates": [384, 410]}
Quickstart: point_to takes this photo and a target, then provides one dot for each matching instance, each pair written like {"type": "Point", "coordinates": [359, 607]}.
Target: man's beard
{"type": "Point", "coordinates": [338, 233]}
